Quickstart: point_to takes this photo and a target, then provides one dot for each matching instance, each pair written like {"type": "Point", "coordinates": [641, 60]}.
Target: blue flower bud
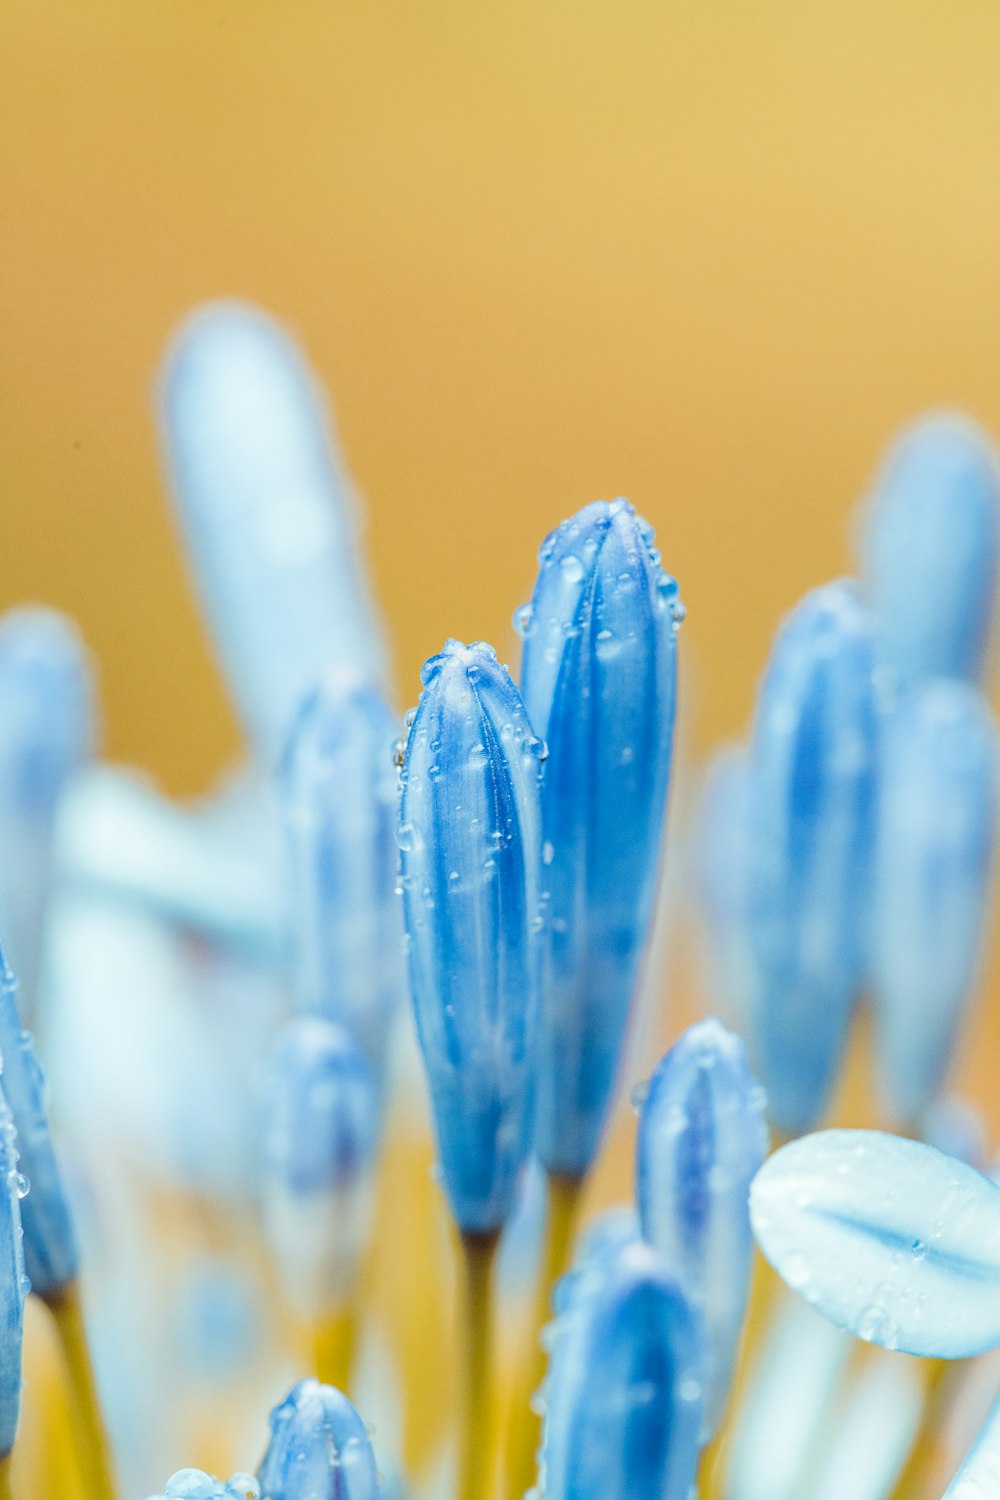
{"type": "Point", "coordinates": [46, 734]}
{"type": "Point", "coordinates": [887, 1237]}
{"type": "Point", "coordinates": [319, 1449]}
{"type": "Point", "coordinates": [931, 549]}
{"type": "Point", "coordinates": [51, 1255]}
{"type": "Point", "coordinates": [469, 840]}
{"type": "Point", "coordinates": [599, 682]}
{"type": "Point", "coordinates": [721, 860]}
{"type": "Point", "coordinates": [266, 513]}
{"type": "Point", "coordinates": [623, 1399]}
{"type": "Point", "coordinates": [813, 781]}
{"type": "Point", "coordinates": [323, 1133]}
{"type": "Point", "coordinates": [936, 838]}
{"type": "Point", "coordinates": [340, 797]}
{"type": "Point", "coordinates": [13, 1281]}
{"type": "Point", "coordinates": [701, 1139]}
{"type": "Point", "coordinates": [194, 1484]}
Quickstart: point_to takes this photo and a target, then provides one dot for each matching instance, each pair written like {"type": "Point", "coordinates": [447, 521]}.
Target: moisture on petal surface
{"type": "Point", "coordinates": [887, 1237]}
{"type": "Point", "coordinates": [319, 1449]}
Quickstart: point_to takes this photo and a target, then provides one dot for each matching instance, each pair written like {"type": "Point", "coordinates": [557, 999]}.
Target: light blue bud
{"type": "Point", "coordinates": [623, 1397]}
{"type": "Point", "coordinates": [13, 1281]}
{"type": "Point", "coordinates": [721, 859]}
{"type": "Point", "coordinates": [979, 1475]}
{"type": "Point", "coordinates": [267, 514]}
{"type": "Point", "coordinates": [319, 1448]}
{"type": "Point", "coordinates": [469, 843]}
{"type": "Point", "coordinates": [194, 1484]}
{"type": "Point", "coordinates": [599, 682]}
{"type": "Point", "coordinates": [701, 1139]}
{"type": "Point", "coordinates": [339, 794]}
{"type": "Point", "coordinates": [930, 551]}
{"type": "Point", "coordinates": [887, 1237]}
{"type": "Point", "coordinates": [936, 838]}
{"type": "Point", "coordinates": [51, 1254]}
{"type": "Point", "coordinates": [813, 825]}
{"type": "Point", "coordinates": [323, 1133]}
{"type": "Point", "coordinates": [46, 735]}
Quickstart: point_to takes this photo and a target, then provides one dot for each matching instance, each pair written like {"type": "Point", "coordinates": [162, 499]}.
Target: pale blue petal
{"type": "Point", "coordinates": [266, 513]}
{"type": "Point", "coordinates": [599, 681]}
{"type": "Point", "coordinates": [887, 1237]}
{"type": "Point", "coordinates": [874, 1433]}
{"type": "Point", "coordinates": [319, 1449]}
{"type": "Point", "coordinates": [936, 840]}
{"type": "Point", "coordinates": [979, 1476]}
{"type": "Point", "coordinates": [721, 863]}
{"type": "Point", "coordinates": [813, 761]}
{"type": "Point", "coordinates": [469, 841]}
{"type": "Point", "coordinates": [701, 1138]}
{"type": "Point", "coordinates": [930, 551]}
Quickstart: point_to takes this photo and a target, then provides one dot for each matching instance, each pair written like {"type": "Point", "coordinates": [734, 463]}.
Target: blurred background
{"type": "Point", "coordinates": [708, 255]}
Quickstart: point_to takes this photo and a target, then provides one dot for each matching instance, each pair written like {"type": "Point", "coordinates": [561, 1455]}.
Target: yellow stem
{"type": "Point", "coordinates": [924, 1457]}
{"type": "Point", "coordinates": [331, 1347]}
{"type": "Point", "coordinates": [6, 1493]}
{"type": "Point", "coordinates": [564, 1195]}
{"type": "Point", "coordinates": [93, 1451]}
{"type": "Point", "coordinates": [476, 1394]}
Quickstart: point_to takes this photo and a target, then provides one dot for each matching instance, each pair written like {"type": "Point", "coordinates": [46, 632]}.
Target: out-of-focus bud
{"type": "Point", "coordinates": [339, 795]}
{"type": "Point", "coordinates": [623, 1398]}
{"type": "Point", "coordinates": [979, 1474]}
{"type": "Point", "coordinates": [469, 843]}
{"type": "Point", "coordinates": [936, 838]}
{"type": "Point", "coordinates": [319, 1447]}
{"type": "Point", "coordinates": [322, 1137]}
{"type": "Point", "coordinates": [886, 1237]}
{"type": "Point", "coordinates": [701, 1139]}
{"type": "Point", "coordinates": [51, 1255]}
{"type": "Point", "coordinates": [13, 1282]}
{"type": "Point", "coordinates": [46, 735]}
{"type": "Point", "coordinates": [930, 552]}
{"type": "Point", "coordinates": [195, 1484]}
{"type": "Point", "coordinates": [720, 857]}
{"type": "Point", "coordinates": [266, 513]}
{"type": "Point", "coordinates": [813, 781]}
{"type": "Point", "coordinates": [599, 679]}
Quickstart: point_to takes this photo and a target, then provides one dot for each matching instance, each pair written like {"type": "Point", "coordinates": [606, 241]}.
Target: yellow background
{"type": "Point", "coordinates": [706, 254]}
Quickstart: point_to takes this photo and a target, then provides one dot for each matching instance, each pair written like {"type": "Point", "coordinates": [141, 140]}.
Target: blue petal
{"type": "Point", "coordinates": [599, 681]}
{"type": "Point", "coordinates": [13, 1282]}
{"type": "Point", "coordinates": [931, 550]}
{"type": "Point", "coordinates": [340, 796]}
{"type": "Point", "coordinates": [701, 1139]}
{"type": "Point", "coordinates": [46, 734]}
{"type": "Point", "coordinates": [813, 800]}
{"type": "Point", "coordinates": [979, 1476]}
{"type": "Point", "coordinates": [887, 1237]}
{"type": "Point", "coordinates": [623, 1396]}
{"type": "Point", "coordinates": [469, 844]}
{"type": "Point", "coordinates": [721, 860]}
{"type": "Point", "coordinates": [319, 1449]}
{"type": "Point", "coordinates": [266, 513]}
{"type": "Point", "coordinates": [936, 839]}
{"type": "Point", "coordinates": [51, 1254]}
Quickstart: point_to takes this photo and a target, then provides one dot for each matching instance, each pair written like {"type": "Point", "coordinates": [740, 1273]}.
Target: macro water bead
{"type": "Point", "coordinates": [267, 515]}
{"type": "Point", "coordinates": [813, 810]}
{"type": "Point", "coordinates": [701, 1139]}
{"type": "Point", "coordinates": [598, 675]}
{"type": "Point", "coordinates": [339, 801]}
{"type": "Point", "coordinates": [319, 1449]}
{"type": "Point", "coordinates": [936, 843]}
{"type": "Point", "coordinates": [469, 839]}
{"type": "Point", "coordinates": [623, 1397]}
{"type": "Point", "coordinates": [930, 551]}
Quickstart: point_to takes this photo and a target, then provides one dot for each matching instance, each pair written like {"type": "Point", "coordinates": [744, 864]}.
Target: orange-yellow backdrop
{"type": "Point", "coordinates": [702, 252]}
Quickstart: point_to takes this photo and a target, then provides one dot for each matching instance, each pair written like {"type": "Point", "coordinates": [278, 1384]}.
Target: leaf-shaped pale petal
{"type": "Point", "coordinates": [979, 1476]}
{"type": "Point", "coordinates": [889, 1238]}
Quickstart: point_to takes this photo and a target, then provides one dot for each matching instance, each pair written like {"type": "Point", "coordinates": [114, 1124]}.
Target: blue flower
{"type": "Point", "coordinates": [323, 1133]}
{"type": "Point", "coordinates": [936, 839]}
{"type": "Point", "coordinates": [51, 1254]}
{"type": "Point", "coordinates": [470, 844]}
{"type": "Point", "coordinates": [623, 1398]}
{"type": "Point", "coordinates": [46, 735]}
{"type": "Point", "coordinates": [599, 682]}
{"type": "Point", "coordinates": [266, 514]}
{"type": "Point", "coordinates": [701, 1139]}
{"type": "Point", "coordinates": [340, 796]}
{"type": "Point", "coordinates": [886, 1237]}
{"type": "Point", "coordinates": [812, 790]}
{"type": "Point", "coordinates": [931, 550]}
{"type": "Point", "coordinates": [319, 1449]}
{"type": "Point", "coordinates": [13, 1282]}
